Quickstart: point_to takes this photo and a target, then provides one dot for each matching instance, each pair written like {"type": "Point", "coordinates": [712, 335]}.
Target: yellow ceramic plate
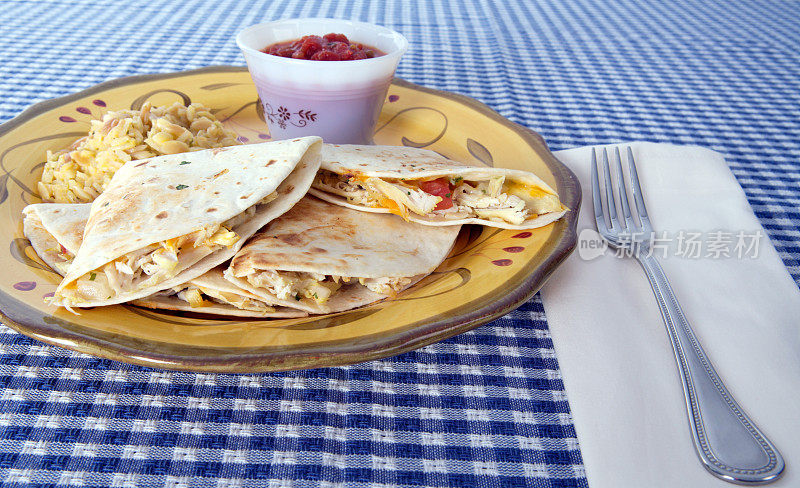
{"type": "Point", "coordinates": [489, 273]}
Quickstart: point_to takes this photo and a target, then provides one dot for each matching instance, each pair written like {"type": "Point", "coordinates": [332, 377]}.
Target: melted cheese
{"type": "Point", "coordinates": [392, 207]}
{"type": "Point", "coordinates": [194, 298]}
{"type": "Point", "coordinates": [539, 201]}
{"type": "Point", "coordinates": [517, 188]}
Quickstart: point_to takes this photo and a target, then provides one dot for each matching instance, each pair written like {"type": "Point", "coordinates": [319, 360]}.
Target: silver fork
{"type": "Point", "coordinates": [727, 441]}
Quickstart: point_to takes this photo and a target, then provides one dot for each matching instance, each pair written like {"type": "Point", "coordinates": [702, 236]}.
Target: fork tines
{"type": "Point", "coordinates": [607, 222]}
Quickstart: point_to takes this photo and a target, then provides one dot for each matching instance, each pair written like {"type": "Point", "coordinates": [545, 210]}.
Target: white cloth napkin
{"type": "Point", "coordinates": [617, 363]}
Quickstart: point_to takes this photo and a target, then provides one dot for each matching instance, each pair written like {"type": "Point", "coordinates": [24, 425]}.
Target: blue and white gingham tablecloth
{"type": "Point", "coordinates": [486, 408]}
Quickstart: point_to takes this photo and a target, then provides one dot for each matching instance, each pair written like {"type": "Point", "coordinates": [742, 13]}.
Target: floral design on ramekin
{"type": "Point", "coordinates": [24, 285]}
{"type": "Point", "coordinates": [284, 116]}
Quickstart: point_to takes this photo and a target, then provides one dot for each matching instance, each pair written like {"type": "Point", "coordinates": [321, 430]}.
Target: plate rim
{"type": "Point", "coordinates": [567, 184]}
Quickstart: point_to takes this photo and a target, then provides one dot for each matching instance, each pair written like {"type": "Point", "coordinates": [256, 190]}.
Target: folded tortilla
{"type": "Point", "coordinates": [56, 232]}
{"type": "Point", "coordinates": [167, 220]}
{"type": "Point", "coordinates": [424, 187]}
{"type": "Point", "coordinates": [325, 258]}
{"type": "Point", "coordinates": [210, 293]}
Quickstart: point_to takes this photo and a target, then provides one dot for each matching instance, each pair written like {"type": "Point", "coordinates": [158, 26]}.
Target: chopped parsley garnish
{"type": "Point", "coordinates": [92, 276]}
{"type": "Point", "coordinates": [185, 162]}
{"type": "Point", "coordinates": [457, 179]}
{"type": "Point", "coordinates": [297, 296]}
{"type": "Point", "coordinates": [315, 295]}
{"type": "Point", "coordinates": [448, 195]}
{"type": "Point", "coordinates": [408, 192]}
{"type": "Point", "coordinates": [181, 187]}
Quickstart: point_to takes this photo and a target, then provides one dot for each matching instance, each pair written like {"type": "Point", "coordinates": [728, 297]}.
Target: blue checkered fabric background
{"type": "Point", "coordinates": [486, 408]}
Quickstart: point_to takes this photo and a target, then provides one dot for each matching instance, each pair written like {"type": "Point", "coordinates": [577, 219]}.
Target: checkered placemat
{"type": "Point", "coordinates": [485, 408]}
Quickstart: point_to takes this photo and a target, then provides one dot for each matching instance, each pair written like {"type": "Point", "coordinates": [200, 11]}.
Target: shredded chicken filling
{"type": "Point", "coordinates": [58, 250]}
{"type": "Point", "coordinates": [492, 199]}
{"type": "Point", "coordinates": [198, 296]}
{"type": "Point", "coordinates": [65, 256]}
{"type": "Point", "coordinates": [157, 262]}
{"type": "Point", "coordinates": [486, 199]}
{"type": "Point", "coordinates": [288, 285]}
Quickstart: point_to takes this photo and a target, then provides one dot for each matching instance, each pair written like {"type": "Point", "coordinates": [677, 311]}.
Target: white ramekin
{"type": "Point", "coordinates": [337, 100]}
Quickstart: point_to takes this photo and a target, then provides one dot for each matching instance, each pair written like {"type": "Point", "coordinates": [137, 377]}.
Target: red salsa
{"type": "Point", "coordinates": [330, 47]}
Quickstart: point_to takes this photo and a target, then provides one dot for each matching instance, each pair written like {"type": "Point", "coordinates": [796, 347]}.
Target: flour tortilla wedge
{"type": "Point", "coordinates": [167, 220]}
{"type": "Point", "coordinates": [386, 179]}
{"type": "Point", "coordinates": [215, 290]}
{"type": "Point", "coordinates": [56, 231]}
{"type": "Point", "coordinates": [299, 259]}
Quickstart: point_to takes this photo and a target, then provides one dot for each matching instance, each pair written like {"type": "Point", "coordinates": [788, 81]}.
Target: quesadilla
{"type": "Point", "coordinates": [166, 220]}
{"type": "Point", "coordinates": [56, 232]}
{"type": "Point", "coordinates": [210, 293]}
{"type": "Point", "coordinates": [325, 258]}
{"type": "Point", "coordinates": [422, 186]}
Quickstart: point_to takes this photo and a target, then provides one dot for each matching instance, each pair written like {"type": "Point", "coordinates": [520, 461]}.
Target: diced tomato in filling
{"type": "Point", "coordinates": [439, 187]}
{"type": "Point", "coordinates": [446, 203]}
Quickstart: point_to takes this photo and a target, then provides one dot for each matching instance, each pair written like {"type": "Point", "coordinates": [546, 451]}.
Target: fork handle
{"type": "Point", "coordinates": [727, 441]}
